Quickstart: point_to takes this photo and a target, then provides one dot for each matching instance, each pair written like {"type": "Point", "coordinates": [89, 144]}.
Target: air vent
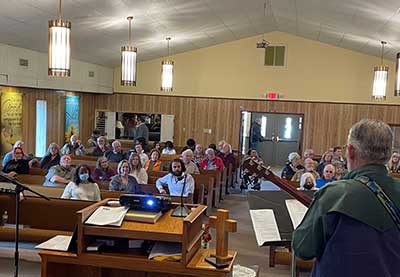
{"type": "Point", "coordinates": [275, 55]}
{"type": "Point", "coordinates": [91, 74]}
{"type": "Point", "coordinates": [23, 62]}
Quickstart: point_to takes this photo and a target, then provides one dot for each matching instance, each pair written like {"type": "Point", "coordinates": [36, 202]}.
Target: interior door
{"type": "Point", "coordinates": [282, 133]}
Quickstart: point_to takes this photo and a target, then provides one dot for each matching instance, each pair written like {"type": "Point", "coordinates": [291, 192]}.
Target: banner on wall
{"type": "Point", "coordinates": [71, 116]}
{"type": "Point", "coordinates": [11, 119]}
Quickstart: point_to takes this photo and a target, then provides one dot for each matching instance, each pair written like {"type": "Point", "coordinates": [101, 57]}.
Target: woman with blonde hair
{"type": "Point", "coordinates": [52, 156]}
{"type": "Point", "coordinates": [137, 170]}
{"type": "Point", "coordinates": [393, 165]}
{"type": "Point", "coordinates": [123, 181]}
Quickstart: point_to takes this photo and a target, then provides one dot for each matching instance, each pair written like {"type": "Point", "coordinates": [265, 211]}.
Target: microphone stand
{"type": "Point", "coordinates": [181, 210]}
{"type": "Point", "coordinates": [19, 188]}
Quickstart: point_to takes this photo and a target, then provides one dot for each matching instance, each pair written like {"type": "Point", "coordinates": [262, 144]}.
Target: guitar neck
{"type": "Point", "coordinates": [256, 168]}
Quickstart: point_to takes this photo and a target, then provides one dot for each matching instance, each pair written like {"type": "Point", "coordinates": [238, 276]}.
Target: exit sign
{"type": "Point", "coordinates": [272, 95]}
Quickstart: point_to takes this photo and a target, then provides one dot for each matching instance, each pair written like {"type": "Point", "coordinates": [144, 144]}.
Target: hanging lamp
{"type": "Point", "coordinates": [167, 72]}
{"type": "Point", "coordinates": [397, 84]}
{"type": "Point", "coordinates": [59, 46]}
{"type": "Point", "coordinates": [380, 78]}
{"type": "Point", "coordinates": [128, 60]}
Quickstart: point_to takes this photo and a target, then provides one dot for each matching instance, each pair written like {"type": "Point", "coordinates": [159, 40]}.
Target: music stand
{"type": "Point", "coordinates": [181, 210]}
{"type": "Point", "coordinates": [19, 188]}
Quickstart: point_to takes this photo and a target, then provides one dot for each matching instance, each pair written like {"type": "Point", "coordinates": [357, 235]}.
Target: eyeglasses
{"type": "Point", "coordinates": [18, 153]}
{"type": "Point", "coordinates": [328, 171]}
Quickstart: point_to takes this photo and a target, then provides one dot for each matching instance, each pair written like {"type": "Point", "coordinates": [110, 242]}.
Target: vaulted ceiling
{"type": "Point", "coordinates": [100, 28]}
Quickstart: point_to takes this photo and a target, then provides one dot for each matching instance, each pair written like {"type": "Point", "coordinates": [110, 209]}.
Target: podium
{"type": "Point", "coordinates": [134, 262]}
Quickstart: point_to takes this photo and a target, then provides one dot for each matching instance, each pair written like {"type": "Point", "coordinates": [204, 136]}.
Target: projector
{"type": "Point", "coordinates": [147, 203]}
{"type": "Point", "coordinates": [262, 44]}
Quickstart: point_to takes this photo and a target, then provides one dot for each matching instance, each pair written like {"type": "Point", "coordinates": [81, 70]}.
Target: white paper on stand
{"type": "Point", "coordinates": [108, 216]}
{"type": "Point", "coordinates": [264, 225]}
{"type": "Point", "coordinates": [59, 242]}
{"type": "Point", "coordinates": [296, 211]}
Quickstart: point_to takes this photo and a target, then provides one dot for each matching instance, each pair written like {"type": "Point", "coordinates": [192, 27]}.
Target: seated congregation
{"type": "Point", "coordinates": [83, 172]}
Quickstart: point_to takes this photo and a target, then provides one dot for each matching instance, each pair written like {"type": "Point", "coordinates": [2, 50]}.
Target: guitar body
{"type": "Point", "coordinates": [255, 168]}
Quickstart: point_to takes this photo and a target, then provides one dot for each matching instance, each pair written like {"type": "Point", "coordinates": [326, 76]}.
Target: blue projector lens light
{"type": "Point", "coordinates": [150, 202]}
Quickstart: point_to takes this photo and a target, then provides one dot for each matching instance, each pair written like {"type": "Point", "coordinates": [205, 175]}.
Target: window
{"type": "Point", "coordinates": [263, 126]}
{"type": "Point", "coordinates": [288, 128]}
{"type": "Point", "coordinates": [41, 128]}
{"type": "Point", "coordinates": [275, 55]}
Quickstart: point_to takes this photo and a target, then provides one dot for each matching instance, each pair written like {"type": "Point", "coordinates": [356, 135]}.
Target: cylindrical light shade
{"type": "Point", "coordinates": [397, 84]}
{"type": "Point", "coordinates": [128, 66]}
{"type": "Point", "coordinates": [167, 75]}
{"type": "Point", "coordinates": [380, 81]}
{"type": "Point", "coordinates": [59, 48]}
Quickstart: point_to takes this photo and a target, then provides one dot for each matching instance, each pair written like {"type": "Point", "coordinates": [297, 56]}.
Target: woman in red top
{"type": "Point", "coordinates": [211, 162]}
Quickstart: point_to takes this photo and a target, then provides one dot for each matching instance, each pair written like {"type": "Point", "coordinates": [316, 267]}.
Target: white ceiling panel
{"type": "Point", "coordinates": [99, 27]}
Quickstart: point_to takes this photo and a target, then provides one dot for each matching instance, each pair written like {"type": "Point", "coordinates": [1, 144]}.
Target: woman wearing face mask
{"type": "Point", "coordinates": [307, 182]}
{"type": "Point", "coordinates": [82, 187]}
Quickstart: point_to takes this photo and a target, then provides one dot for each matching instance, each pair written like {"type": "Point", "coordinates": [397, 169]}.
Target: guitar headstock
{"type": "Point", "coordinates": [258, 169]}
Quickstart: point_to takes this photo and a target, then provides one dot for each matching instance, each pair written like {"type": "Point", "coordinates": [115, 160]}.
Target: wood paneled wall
{"type": "Point", "coordinates": [325, 124]}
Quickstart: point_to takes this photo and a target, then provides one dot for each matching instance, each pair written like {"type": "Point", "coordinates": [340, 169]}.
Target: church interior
{"type": "Point", "coordinates": [174, 96]}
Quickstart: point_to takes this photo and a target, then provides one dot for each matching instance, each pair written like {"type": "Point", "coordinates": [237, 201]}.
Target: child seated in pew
{"type": "Point", "coordinates": [82, 187]}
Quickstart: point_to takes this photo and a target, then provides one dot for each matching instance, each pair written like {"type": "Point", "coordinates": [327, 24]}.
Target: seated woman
{"type": "Point", "coordinates": [169, 148]}
{"type": "Point", "coordinates": [226, 155]}
{"type": "Point", "coordinates": [82, 187]}
{"type": "Point", "coordinates": [292, 166]}
{"type": "Point", "coordinates": [137, 170]}
{"type": "Point", "coordinates": [101, 147]}
{"type": "Point", "coordinates": [340, 170]}
{"type": "Point", "coordinates": [307, 182]}
{"type": "Point", "coordinates": [325, 160]}
{"type": "Point", "coordinates": [393, 165]}
{"type": "Point", "coordinates": [123, 181]}
{"type": "Point", "coordinates": [103, 172]}
{"type": "Point", "coordinates": [198, 154]}
{"type": "Point", "coordinates": [154, 164]}
{"type": "Point", "coordinates": [249, 179]}
{"type": "Point", "coordinates": [52, 156]}
{"type": "Point", "coordinates": [17, 165]}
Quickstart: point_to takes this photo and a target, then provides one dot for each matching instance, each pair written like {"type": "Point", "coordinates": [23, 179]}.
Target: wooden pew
{"type": "Point", "coordinates": [45, 219]}
{"type": "Point", "coordinates": [38, 171]}
{"type": "Point", "coordinates": [216, 175]}
{"type": "Point", "coordinates": [31, 179]}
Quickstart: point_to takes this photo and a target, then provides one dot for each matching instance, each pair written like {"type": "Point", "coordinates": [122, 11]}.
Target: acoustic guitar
{"type": "Point", "coordinates": [255, 168]}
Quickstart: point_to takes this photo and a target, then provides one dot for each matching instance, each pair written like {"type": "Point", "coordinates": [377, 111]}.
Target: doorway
{"type": "Point", "coordinates": [281, 134]}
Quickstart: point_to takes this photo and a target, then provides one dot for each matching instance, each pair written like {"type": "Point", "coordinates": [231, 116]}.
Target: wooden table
{"type": "Point", "coordinates": [131, 262]}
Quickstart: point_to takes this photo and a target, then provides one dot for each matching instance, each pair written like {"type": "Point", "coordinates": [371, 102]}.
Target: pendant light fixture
{"type": "Point", "coordinates": [59, 46]}
{"type": "Point", "coordinates": [128, 60]}
{"type": "Point", "coordinates": [397, 84]}
{"type": "Point", "coordinates": [380, 78]}
{"type": "Point", "coordinates": [167, 72]}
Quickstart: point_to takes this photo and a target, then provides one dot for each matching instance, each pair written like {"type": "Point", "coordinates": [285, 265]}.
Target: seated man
{"type": "Point", "coordinates": [338, 156]}
{"type": "Point", "coordinates": [75, 147]}
{"type": "Point", "coordinates": [309, 166]}
{"type": "Point", "coordinates": [116, 154]}
{"type": "Point", "coordinates": [60, 175]}
{"type": "Point", "coordinates": [309, 153]}
{"type": "Point", "coordinates": [191, 167]}
{"type": "Point", "coordinates": [327, 176]}
{"type": "Point", "coordinates": [211, 162]}
{"type": "Point", "coordinates": [176, 179]}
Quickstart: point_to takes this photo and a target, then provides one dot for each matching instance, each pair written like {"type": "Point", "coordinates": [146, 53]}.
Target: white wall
{"type": "Point", "coordinates": [35, 75]}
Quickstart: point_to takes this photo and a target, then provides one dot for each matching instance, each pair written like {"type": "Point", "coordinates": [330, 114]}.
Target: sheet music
{"type": "Point", "coordinates": [60, 243]}
{"type": "Point", "coordinates": [264, 225]}
{"type": "Point", "coordinates": [296, 211]}
{"type": "Point", "coordinates": [108, 216]}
